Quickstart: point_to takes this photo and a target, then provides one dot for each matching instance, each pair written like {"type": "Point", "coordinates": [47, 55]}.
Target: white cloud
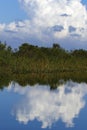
{"type": "Point", "coordinates": [2, 26]}
{"type": "Point", "coordinates": [47, 106]}
{"type": "Point", "coordinates": [45, 14]}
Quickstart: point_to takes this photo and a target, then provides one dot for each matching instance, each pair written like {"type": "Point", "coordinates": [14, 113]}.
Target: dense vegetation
{"type": "Point", "coordinates": [32, 64]}
{"type": "Point", "coordinates": [34, 59]}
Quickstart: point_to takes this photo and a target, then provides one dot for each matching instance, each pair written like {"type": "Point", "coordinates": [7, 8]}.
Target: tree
{"type": "Point", "coordinates": [56, 45]}
{"type": "Point", "coordinates": [2, 46]}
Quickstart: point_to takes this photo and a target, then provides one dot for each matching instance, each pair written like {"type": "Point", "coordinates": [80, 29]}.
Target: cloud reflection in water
{"type": "Point", "coordinates": [49, 106]}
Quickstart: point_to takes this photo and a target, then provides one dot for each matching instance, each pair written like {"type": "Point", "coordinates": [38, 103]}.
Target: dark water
{"type": "Point", "coordinates": [37, 107]}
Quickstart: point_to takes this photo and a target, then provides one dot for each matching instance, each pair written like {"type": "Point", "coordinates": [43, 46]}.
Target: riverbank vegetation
{"type": "Point", "coordinates": [33, 59]}
{"type": "Point", "coordinates": [33, 64]}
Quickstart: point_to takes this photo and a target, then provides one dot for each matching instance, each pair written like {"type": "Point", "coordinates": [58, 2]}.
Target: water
{"type": "Point", "coordinates": [38, 107]}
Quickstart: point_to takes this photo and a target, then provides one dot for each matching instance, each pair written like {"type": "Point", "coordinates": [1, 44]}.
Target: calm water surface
{"type": "Point", "coordinates": [37, 107]}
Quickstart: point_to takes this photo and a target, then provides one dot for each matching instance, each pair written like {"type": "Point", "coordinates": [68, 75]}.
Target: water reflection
{"type": "Point", "coordinates": [49, 106]}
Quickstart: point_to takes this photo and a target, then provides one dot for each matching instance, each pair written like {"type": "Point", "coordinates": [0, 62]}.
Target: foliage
{"type": "Point", "coordinates": [32, 64]}
{"type": "Point", "coordinates": [33, 59]}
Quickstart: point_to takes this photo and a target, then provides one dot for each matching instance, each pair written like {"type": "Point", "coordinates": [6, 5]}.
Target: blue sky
{"type": "Point", "coordinates": [44, 22]}
{"type": "Point", "coordinates": [10, 10]}
{"type": "Point", "coordinates": [84, 2]}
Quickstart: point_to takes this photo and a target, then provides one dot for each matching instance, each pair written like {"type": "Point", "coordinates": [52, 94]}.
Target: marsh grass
{"type": "Point", "coordinates": [33, 64]}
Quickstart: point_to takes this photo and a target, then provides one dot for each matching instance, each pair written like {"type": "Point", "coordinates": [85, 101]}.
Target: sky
{"type": "Point", "coordinates": [44, 22]}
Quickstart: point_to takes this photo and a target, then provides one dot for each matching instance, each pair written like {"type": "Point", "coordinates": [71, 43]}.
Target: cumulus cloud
{"type": "Point", "coordinates": [51, 20]}
{"type": "Point", "coordinates": [47, 106]}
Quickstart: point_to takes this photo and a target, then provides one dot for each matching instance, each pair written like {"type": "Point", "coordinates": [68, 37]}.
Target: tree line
{"type": "Point", "coordinates": [33, 59]}
{"type": "Point", "coordinates": [30, 64]}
